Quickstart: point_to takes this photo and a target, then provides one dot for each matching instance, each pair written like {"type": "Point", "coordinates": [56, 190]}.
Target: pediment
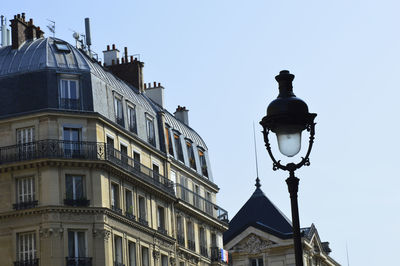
{"type": "Point", "coordinates": [253, 244]}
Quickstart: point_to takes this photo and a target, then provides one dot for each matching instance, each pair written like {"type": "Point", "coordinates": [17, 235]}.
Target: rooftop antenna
{"type": "Point", "coordinates": [52, 27]}
{"type": "Point", "coordinates": [347, 252]}
{"type": "Point", "coordinates": [255, 152]}
{"type": "Point", "coordinates": [87, 32]}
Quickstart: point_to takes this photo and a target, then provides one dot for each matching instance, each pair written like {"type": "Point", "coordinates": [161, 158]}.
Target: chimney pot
{"type": "Point", "coordinates": [23, 16]}
{"type": "Point", "coordinates": [113, 46]}
{"type": "Point", "coordinates": [18, 16]}
{"type": "Point", "coordinates": [126, 54]}
{"type": "Point", "coordinates": [159, 84]}
{"type": "Point", "coordinates": [108, 47]}
{"type": "Point", "coordinates": [117, 61]}
{"type": "Point", "coordinates": [131, 58]}
{"type": "Point", "coordinates": [145, 86]}
{"type": "Point", "coordinates": [123, 60]}
{"type": "Point", "coordinates": [155, 84]}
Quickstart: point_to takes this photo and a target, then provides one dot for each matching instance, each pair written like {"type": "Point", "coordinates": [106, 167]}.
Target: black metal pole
{"type": "Point", "coordinates": [293, 187]}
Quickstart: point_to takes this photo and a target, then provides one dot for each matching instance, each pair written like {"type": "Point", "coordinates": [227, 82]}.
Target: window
{"type": "Point", "coordinates": [156, 172]}
{"type": "Point", "coordinates": [145, 256]}
{"type": "Point", "coordinates": [209, 203]}
{"type": "Point", "coordinates": [180, 231]}
{"type": "Point", "coordinates": [118, 251]}
{"type": "Point", "coordinates": [169, 142]}
{"type": "Point", "coordinates": [203, 163]}
{"type": "Point", "coordinates": [69, 94]}
{"type": "Point", "coordinates": [142, 210]}
{"type": "Point", "coordinates": [25, 139]}
{"type": "Point", "coordinates": [161, 219]}
{"type": "Point", "coordinates": [178, 147]}
{"type": "Point", "coordinates": [76, 247]}
{"type": "Point", "coordinates": [25, 188]}
{"type": "Point", "coordinates": [256, 262]}
{"type": "Point", "coordinates": [129, 204]}
{"type": "Point", "coordinates": [26, 247]}
{"type": "Point", "coordinates": [164, 260]}
{"type": "Point", "coordinates": [62, 47]}
{"type": "Point", "coordinates": [71, 142]}
{"type": "Point", "coordinates": [213, 240]}
{"type": "Point", "coordinates": [124, 154]}
{"type": "Point", "coordinates": [118, 111]}
{"type": "Point", "coordinates": [110, 147]}
{"type": "Point", "coordinates": [136, 159]}
{"type": "Point", "coordinates": [183, 188]}
{"type": "Point", "coordinates": [203, 243]}
{"type": "Point", "coordinates": [190, 152]}
{"type": "Point", "coordinates": [150, 131]}
{"type": "Point", "coordinates": [75, 191]}
{"type": "Point", "coordinates": [196, 196]}
{"type": "Point", "coordinates": [132, 119]}
{"type": "Point", "coordinates": [115, 206]}
{"type": "Point", "coordinates": [132, 253]}
{"type": "Point", "coordinates": [190, 235]}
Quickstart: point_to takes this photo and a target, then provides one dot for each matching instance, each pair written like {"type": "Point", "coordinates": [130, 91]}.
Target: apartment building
{"type": "Point", "coordinates": [93, 169]}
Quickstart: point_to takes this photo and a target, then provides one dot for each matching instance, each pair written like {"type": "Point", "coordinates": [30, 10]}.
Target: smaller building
{"type": "Point", "coordinates": [261, 235]}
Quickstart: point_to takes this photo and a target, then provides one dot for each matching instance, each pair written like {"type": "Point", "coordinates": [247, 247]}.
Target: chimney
{"type": "Point", "coordinates": [155, 93]}
{"type": "Point", "coordinates": [129, 71]}
{"type": "Point", "coordinates": [23, 31]}
{"type": "Point", "coordinates": [182, 114]}
{"type": "Point", "coordinates": [110, 55]}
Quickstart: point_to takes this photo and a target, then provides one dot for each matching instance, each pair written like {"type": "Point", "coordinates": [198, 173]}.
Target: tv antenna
{"type": "Point", "coordinates": [52, 27]}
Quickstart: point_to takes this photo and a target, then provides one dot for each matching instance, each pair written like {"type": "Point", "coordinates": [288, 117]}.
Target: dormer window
{"type": "Point", "coordinates": [151, 137]}
{"type": "Point", "coordinates": [132, 119]}
{"type": "Point", "coordinates": [169, 141]}
{"type": "Point", "coordinates": [203, 163]}
{"type": "Point", "coordinates": [178, 147]}
{"type": "Point", "coordinates": [119, 117]}
{"type": "Point", "coordinates": [190, 152]}
{"type": "Point", "coordinates": [69, 94]}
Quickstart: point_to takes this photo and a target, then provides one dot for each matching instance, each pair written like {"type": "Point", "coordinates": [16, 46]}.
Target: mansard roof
{"type": "Point", "coordinates": [260, 213]}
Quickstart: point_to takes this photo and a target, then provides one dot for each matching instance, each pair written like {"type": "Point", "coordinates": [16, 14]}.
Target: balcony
{"type": "Point", "coordinates": [162, 230]}
{"type": "Point", "coordinates": [31, 262]}
{"type": "Point", "coordinates": [181, 239]}
{"type": "Point", "coordinates": [116, 209]}
{"type": "Point", "coordinates": [79, 261]}
{"type": "Point", "coordinates": [143, 221]}
{"type": "Point", "coordinates": [201, 203]}
{"type": "Point", "coordinates": [81, 150]}
{"type": "Point", "coordinates": [203, 250]}
{"type": "Point", "coordinates": [77, 202]}
{"type": "Point", "coordinates": [70, 104]}
{"type": "Point", "coordinates": [25, 205]}
{"type": "Point", "coordinates": [191, 245]}
{"type": "Point", "coordinates": [130, 216]}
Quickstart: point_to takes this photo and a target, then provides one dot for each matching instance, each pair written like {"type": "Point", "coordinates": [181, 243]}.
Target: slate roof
{"type": "Point", "coordinates": [262, 214]}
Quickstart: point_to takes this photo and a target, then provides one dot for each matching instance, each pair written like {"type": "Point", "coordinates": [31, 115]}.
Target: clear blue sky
{"type": "Point", "coordinates": [219, 59]}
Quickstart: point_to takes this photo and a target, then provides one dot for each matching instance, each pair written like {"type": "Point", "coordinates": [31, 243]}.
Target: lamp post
{"type": "Point", "coordinates": [287, 116]}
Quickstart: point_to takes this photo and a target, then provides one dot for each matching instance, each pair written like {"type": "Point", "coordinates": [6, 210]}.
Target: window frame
{"type": "Point", "coordinates": [203, 161]}
{"type": "Point", "coordinates": [31, 187]}
{"type": "Point", "coordinates": [69, 99]}
{"type": "Point", "coordinates": [83, 189]}
{"type": "Point", "coordinates": [150, 130]}
{"type": "Point", "coordinates": [132, 124]}
{"type": "Point", "coordinates": [190, 153]}
{"type": "Point", "coordinates": [178, 147]}
{"type": "Point", "coordinates": [22, 253]}
{"type": "Point", "coordinates": [118, 102]}
{"type": "Point", "coordinates": [76, 233]}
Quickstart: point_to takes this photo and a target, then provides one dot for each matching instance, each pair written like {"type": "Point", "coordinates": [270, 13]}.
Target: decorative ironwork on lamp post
{"type": "Point", "coordinates": [287, 116]}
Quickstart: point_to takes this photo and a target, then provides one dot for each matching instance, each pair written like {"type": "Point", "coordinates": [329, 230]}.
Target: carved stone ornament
{"type": "Point", "coordinates": [254, 245]}
{"type": "Point", "coordinates": [156, 254]}
{"type": "Point", "coordinates": [51, 232]}
{"type": "Point", "coordinates": [101, 233]}
{"type": "Point", "coordinates": [172, 261]}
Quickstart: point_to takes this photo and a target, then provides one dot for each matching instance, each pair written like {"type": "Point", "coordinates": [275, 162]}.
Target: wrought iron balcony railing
{"type": "Point", "coordinates": [116, 209]}
{"type": "Point", "coordinates": [77, 202]}
{"type": "Point", "coordinates": [82, 150]}
{"type": "Point", "coordinates": [130, 216]}
{"type": "Point", "coordinates": [201, 203]}
{"type": "Point", "coordinates": [215, 254]}
{"type": "Point", "coordinates": [79, 261]}
{"type": "Point", "coordinates": [191, 245]}
{"type": "Point", "coordinates": [203, 250]}
{"type": "Point", "coordinates": [143, 221]}
{"type": "Point", "coordinates": [181, 239]}
{"type": "Point", "coordinates": [70, 104]}
{"type": "Point", "coordinates": [30, 262]}
{"type": "Point", "coordinates": [25, 205]}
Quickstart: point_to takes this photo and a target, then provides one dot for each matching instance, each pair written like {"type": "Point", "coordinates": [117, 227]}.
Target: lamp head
{"type": "Point", "coordinates": [287, 116]}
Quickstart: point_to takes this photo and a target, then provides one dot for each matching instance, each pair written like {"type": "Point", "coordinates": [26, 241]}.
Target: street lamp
{"type": "Point", "coordinates": [287, 116]}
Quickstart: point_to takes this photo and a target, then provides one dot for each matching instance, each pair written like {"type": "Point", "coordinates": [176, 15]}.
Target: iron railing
{"type": "Point", "coordinates": [83, 150]}
{"type": "Point", "coordinates": [162, 230]}
{"type": "Point", "coordinates": [130, 216]}
{"type": "Point", "coordinates": [215, 254]}
{"type": "Point", "coordinates": [116, 209]}
{"type": "Point", "coordinates": [143, 221]}
{"type": "Point", "coordinates": [25, 205]}
{"type": "Point", "coordinates": [181, 239]}
{"type": "Point", "coordinates": [191, 245]}
{"type": "Point", "coordinates": [30, 262]}
{"type": "Point", "coordinates": [79, 261]}
{"type": "Point", "coordinates": [201, 203]}
{"type": "Point", "coordinates": [203, 250]}
{"type": "Point", "coordinates": [77, 202]}
{"type": "Point", "coordinates": [70, 104]}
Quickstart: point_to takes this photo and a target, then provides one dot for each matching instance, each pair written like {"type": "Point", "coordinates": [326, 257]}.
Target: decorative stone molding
{"type": "Point", "coordinates": [172, 261]}
{"type": "Point", "coordinates": [156, 254]}
{"type": "Point", "coordinates": [101, 233]}
{"type": "Point", "coordinates": [254, 244]}
{"type": "Point", "coordinates": [56, 232]}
